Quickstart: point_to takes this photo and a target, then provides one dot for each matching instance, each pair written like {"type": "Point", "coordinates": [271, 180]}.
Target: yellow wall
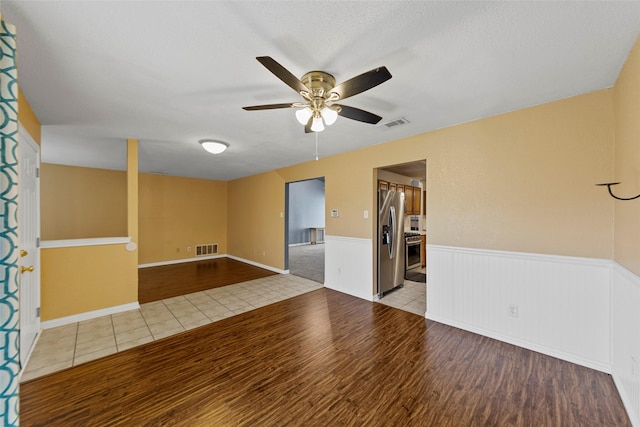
{"type": "Point", "coordinates": [256, 216]}
{"type": "Point", "coordinates": [176, 213]}
{"type": "Point", "coordinates": [27, 118]}
{"type": "Point", "coordinates": [86, 278]}
{"type": "Point", "coordinates": [521, 181]}
{"type": "Point", "coordinates": [81, 202]}
{"type": "Point", "coordinates": [627, 162]}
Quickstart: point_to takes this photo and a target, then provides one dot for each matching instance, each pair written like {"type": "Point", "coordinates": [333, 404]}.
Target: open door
{"type": "Point", "coordinates": [28, 234]}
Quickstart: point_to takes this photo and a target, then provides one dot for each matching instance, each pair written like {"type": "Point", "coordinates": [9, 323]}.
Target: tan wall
{"type": "Point", "coordinates": [86, 278]}
{"type": "Point", "coordinates": [522, 181]}
{"type": "Point", "coordinates": [627, 162]}
{"type": "Point", "coordinates": [79, 203]}
{"type": "Point", "coordinates": [256, 216]}
{"type": "Point", "coordinates": [27, 118]}
{"type": "Point", "coordinates": [176, 213]}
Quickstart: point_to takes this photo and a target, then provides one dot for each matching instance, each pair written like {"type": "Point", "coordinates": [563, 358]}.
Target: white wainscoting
{"type": "Point", "coordinates": [563, 303]}
{"type": "Point", "coordinates": [625, 339]}
{"type": "Point", "coordinates": [348, 266]}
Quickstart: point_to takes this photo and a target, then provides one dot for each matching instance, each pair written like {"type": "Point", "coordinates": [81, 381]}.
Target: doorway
{"type": "Point", "coordinates": [410, 179]}
{"type": "Point", "coordinates": [304, 228]}
{"type": "Point", "coordinates": [29, 232]}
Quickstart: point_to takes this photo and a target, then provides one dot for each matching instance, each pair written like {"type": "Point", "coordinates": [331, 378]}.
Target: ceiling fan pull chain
{"type": "Point", "coordinates": [316, 133]}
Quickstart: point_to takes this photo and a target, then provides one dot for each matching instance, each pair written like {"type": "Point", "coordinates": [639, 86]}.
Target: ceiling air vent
{"type": "Point", "coordinates": [395, 123]}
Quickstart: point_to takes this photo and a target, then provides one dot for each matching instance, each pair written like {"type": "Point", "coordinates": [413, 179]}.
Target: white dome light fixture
{"type": "Point", "coordinates": [213, 146]}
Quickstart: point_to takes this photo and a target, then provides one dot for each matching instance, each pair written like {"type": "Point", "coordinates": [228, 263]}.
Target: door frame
{"type": "Point", "coordinates": [287, 216]}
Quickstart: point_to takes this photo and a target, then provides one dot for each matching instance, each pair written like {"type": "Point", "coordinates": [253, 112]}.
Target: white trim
{"type": "Point", "coordinates": [33, 347]}
{"type": "Point", "coordinates": [603, 367]}
{"type": "Point", "coordinates": [257, 264]}
{"type": "Point", "coordinates": [180, 261]}
{"type": "Point", "coordinates": [349, 239]}
{"type": "Point", "coordinates": [625, 291]}
{"type": "Point", "coordinates": [601, 262]}
{"type": "Point", "coordinates": [61, 321]}
{"type": "Point", "coordinates": [204, 258]}
{"type": "Point", "coordinates": [69, 243]}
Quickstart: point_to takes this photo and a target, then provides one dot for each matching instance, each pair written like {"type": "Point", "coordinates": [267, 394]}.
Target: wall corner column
{"type": "Point", "coordinates": [132, 190]}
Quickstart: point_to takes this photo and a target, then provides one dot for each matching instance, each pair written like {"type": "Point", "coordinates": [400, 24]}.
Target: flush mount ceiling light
{"type": "Point", "coordinates": [321, 95]}
{"type": "Point", "coordinates": [213, 146]}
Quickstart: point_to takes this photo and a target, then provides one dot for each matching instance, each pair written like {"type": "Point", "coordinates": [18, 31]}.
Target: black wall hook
{"type": "Point", "coordinates": [609, 184]}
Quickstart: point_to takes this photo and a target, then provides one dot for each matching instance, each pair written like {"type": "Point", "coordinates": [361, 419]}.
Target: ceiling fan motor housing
{"type": "Point", "coordinates": [319, 82]}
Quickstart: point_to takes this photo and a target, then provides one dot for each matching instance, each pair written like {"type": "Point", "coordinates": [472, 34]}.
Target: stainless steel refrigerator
{"type": "Point", "coordinates": [391, 210]}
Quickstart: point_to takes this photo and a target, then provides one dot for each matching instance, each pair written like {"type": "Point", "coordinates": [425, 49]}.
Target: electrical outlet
{"type": "Point", "coordinates": [513, 310]}
{"type": "Point", "coordinates": [335, 213]}
{"type": "Point", "coordinates": [366, 214]}
{"type": "Point", "coordinates": [188, 248]}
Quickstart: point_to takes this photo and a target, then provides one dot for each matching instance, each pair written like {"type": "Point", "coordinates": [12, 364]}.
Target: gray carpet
{"type": "Point", "coordinates": [307, 261]}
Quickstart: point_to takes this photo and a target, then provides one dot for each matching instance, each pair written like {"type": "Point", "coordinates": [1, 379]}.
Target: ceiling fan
{"type": "Point", "coordinates": [321, 95]}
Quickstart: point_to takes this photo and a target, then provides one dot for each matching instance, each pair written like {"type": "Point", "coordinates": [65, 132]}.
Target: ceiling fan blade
{"type": "Point", "coordinates": [363, 82]}
{"type": "Point", "coordinates": [269, 106]}
{"type": "Point", "coordinates": [283, 74]}
{"type": "Point", "coordinates": [358, 114]}
{"type": "Point", "coordinates": [307, 127]}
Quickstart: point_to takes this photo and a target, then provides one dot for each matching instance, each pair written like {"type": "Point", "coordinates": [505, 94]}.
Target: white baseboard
{"type": "Point", "coordinates": [180, 261]}
{"type": "Point", "coordinates": [26, 362]}
{"type": "Point", "coordinates": [524, 344]}
{"type": "Point", "coordinates": [257, 264]}
{"type": "Point", "coordinates": [204, 258]}
{"type": "Point", "coordinates": [61, 321]}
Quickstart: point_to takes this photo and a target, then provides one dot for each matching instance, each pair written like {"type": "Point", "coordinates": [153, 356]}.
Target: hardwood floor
{"type": "Point", "coordinates": [319, 359]}
{"type": "Point", "coordinates": [157, 283]}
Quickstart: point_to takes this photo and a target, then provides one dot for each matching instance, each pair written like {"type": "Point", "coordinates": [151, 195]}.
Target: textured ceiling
{"type": "Point", "coordinates": [171, 73]}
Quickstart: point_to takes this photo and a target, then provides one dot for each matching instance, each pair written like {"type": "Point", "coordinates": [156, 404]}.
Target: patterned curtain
{"type": "Point", "coordinates": [9, 324]}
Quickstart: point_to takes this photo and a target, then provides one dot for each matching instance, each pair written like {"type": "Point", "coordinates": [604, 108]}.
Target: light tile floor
{"type": "Point", "coordinates": [411, 297]}
{"type": "Point", "coordinates": [70, 345]}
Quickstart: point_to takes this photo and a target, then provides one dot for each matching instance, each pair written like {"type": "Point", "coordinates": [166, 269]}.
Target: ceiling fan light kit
{"type": "Point", "coordinates": [321, 93]}
{"type": "Point", "coordinates": [213, 146]}
{"type": "Point", "coordinates": [317, 125]}
{"type": "Point", "coordinates": [303, 115]}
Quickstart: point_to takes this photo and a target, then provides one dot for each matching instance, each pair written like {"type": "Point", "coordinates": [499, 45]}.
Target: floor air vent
{"type": "Point", "coordinates": [203, 250]}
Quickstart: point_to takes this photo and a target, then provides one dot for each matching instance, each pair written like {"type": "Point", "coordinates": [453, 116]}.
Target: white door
{"type": "Point", "coordinates": [29, 232]}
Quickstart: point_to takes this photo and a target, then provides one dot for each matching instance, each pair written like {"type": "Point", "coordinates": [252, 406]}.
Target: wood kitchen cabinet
{"type": "Point", "coordinates": [424, 203]}
{"type": "Point", "coordinates": [423, 250]}
{"type": "Point", "coordinates": [417, 192]}
{"type": "Point", "coordinates": [408, 198]}
{"type": "Point", "coordinates": [412, 195]}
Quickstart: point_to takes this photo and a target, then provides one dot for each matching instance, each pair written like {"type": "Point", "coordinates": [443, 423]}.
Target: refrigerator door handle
{"type": "Point", "coordinates": [392, 225]}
